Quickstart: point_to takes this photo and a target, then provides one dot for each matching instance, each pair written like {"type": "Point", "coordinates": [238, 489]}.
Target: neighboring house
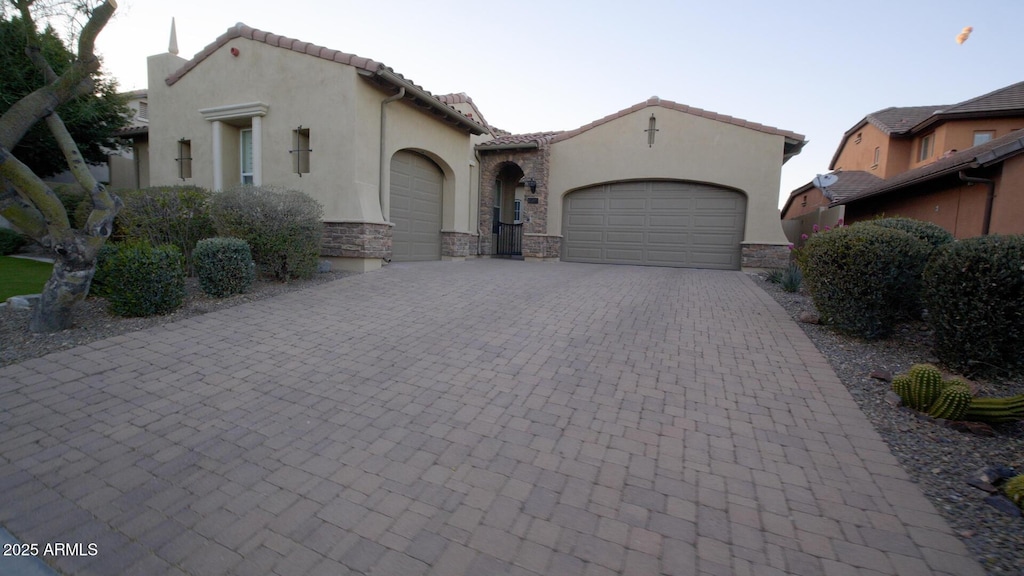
{"type": "Point", "coordinates": [909, 162]}
{"type": "Point", "coordinates": [406, 175]}
{"type": "Point", "coordinates": [130, 168]}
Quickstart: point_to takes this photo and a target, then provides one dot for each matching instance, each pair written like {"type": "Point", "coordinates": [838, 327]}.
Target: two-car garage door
{"type": "Point", "coordinates": [654, 223]}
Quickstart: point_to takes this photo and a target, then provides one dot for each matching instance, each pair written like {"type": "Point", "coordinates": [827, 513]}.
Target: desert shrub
{"type": "Point", "coordinates": [145, 280]}
{"type": "Point", "coordinates": [931, 233]}
{"type": "Point", "coordinates": [974, 293]}
{"type": "Point", "coordinates": [224, 266]}
{"type": "Point", "coordinates": [177, 215]}
{"type": "Point", "coordinates": [864, 278]}
{"type": "Point", "coordinates": [774, 275]}
{"type": "Point", "coordinates": [10, 241]}
{"type": "Point", "coordinates": [103, 279]}
{"type": "Point", "coordinates": [283, 228]}
{"type": "Point", "coordinates": [791, 278]}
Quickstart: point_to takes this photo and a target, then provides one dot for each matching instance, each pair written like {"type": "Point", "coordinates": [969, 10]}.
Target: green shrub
{"type": "Point", "coordinates": [283, 228]}
{"type": "Point", "coordinates": [774, 275]}
{"type": "Point", "coordinates": [145, 280]}
{"type": "Point", "coordinates": [931, 233]}
{"type": "Point", "coordinates": [974, 293]}
{"type": "Point", "coordinates": [864, 278]}
{"type": "Point", "coordinates": [224, 266]}
{"type": "Point", "coordinates": [11, 241]}
{"type": "Point", "coordinates": [178, 215]}
{"type": "Point", "coordinates": [103, 279]}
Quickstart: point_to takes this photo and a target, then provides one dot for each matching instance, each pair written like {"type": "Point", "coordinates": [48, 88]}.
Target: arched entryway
{"type": "Point", "coordinates": [655, 223]}
{"type": "Point", "coordinates": [416, 207]}
{"type": "Point", "coordinates": [506, 212]}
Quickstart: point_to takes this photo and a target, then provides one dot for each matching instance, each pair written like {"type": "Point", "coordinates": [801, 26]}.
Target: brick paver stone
{"type": "Point", "coordinates": [461, 418]}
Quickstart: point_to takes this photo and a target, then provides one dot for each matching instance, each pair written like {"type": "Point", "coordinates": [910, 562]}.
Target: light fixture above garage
{"type": "Point", "coordinates": [532, 184]}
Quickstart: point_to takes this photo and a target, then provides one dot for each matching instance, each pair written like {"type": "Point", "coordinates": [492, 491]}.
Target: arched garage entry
{"type": "Point", "coordinates": [654, 223]}
{"type": "Point", "coordinates": [416, 192]}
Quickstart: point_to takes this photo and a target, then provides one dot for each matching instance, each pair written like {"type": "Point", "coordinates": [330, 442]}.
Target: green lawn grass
{"type": "Point", "coordinates": [20, 276]}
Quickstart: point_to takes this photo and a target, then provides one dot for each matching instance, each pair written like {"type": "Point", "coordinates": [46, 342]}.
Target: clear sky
{"type": "Point", "coordinates": [813, 67]}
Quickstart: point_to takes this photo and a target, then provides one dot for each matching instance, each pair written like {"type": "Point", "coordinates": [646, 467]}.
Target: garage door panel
{"type": "Point", "coordinates": [655, 223]}
{"type": "Point", "coordinates": [585, 221]}
{"type": "Point", "coordinates": [627, 204]}
{"type": "Point", "coordinates": [626, 220]}
{"type": "Point", "coordinates": [668, 221]}
{"type": "Point", "coordinates": [624, 237]}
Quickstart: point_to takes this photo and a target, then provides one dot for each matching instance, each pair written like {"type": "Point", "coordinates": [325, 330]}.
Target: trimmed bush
{"type": "Point", "coordinates": [103, 279]}
{"type": "Point", "coordinates": [11, 241]}
{"type": "Point", "coordinates": [145, 280]}
{"type": "Point", "coordinates": [931, 233]}
{"type": "Point", "coordinates": [177, 215]}
{"type": "Point", "coordinates": [974, 292]}
{"type": "Point", "coordinates": [864, 278]}
{"type": "Point", "coordinates": [224, 266]}
{"type": "Point", "coordinates": [283, 228]}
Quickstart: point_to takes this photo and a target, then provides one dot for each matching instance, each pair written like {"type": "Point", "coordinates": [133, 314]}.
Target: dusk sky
{"type": "Point", "coordinates": [815, 68]}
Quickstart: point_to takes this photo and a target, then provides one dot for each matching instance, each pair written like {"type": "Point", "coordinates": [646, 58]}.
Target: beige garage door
{"type": "Point", "coordinates": [676, 224]}
{"type": "Point", "coordinates": [415, 208]}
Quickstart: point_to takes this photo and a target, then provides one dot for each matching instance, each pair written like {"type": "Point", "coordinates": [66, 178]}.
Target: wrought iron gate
{"type": "Point", "coordinates": [510, 240]}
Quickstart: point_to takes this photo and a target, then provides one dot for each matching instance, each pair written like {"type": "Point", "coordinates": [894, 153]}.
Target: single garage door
{"type": "Point", "coordinates": [678, 224]}
{"type": "Point", "coordinates": [415, 208]}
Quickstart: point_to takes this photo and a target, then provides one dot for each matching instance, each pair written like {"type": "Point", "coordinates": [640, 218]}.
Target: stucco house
{"type": "Point", "coordinates": [406, 175]}
{"type": "Point", "coordinates": [959, 166]}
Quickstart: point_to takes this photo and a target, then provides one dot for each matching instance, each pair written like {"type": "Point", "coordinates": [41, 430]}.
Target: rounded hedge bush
{"type": "Point", "coordinates": [283, 228]}
{"type": "Point", "coordinates": [11, 241]}
{"type": "Point", "coordinates": [178, 215]}
{"type": "Point", "coordinates": [224, 266]}
{"type": "Point", "coordinates": [144, 280]}
{"type": "Point", "coordinates": [931, 233]}
{"type": "Point", "coordinates": [864, 278]}
{"type": "Point", "coordinates": [103, 279]}
{"type": "Point", "coordinates": [974, 292]}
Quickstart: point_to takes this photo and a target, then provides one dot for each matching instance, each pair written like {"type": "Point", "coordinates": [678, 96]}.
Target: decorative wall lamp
{"type": "Point", "coordinates": [532, 184]}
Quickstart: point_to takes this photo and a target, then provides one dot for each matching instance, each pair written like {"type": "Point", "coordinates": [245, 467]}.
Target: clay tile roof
{"type": "Point", "coordinates": [240, 30]}
{"type": "Point", "coordinates": [531, 140]}
{"type": "Point", "coordinates": [893, 120]}
{"type": "Point", "coordinates": [463, 98]}
{"type": "Point", "coordinates": [991, 152]}
{"type": "Point", "coordinates": [849, 183]}
{"type": "Point", "coordinates": [1008, 98]}
{"type": "Point", "coordinates": [655, 101]}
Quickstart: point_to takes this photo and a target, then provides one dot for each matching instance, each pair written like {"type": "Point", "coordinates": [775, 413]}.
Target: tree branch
{"type": "Point", "coordinates": [75, 81]}
{"type": "Point", "coordinates": [22, 215]}
{"type": "Point", "coordinates": [33, 190]}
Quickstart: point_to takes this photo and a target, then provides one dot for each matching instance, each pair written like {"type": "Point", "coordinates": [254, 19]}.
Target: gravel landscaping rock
{"type": "Point", "coordinates": [941, 457]}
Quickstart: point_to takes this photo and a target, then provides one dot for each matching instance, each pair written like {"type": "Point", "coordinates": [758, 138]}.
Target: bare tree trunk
{"type": "Point", "coordinates": [73, 269]}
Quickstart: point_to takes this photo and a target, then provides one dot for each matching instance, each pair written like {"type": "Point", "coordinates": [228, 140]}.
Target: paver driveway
{"type": "Point", "coordinates": [485, 417]}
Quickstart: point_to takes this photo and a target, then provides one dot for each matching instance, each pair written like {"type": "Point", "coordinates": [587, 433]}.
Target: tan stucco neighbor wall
{"type": "Point", "coordinates": [686, 147]}
{"type": "Point", "coordinates": [340, 109]}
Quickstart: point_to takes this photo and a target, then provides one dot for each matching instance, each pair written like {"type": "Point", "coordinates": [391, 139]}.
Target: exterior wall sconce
{"type": "Point", "coordinates": [532, 184]}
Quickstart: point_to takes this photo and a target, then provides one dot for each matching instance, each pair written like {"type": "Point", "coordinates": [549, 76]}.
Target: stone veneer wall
{"type": "Point", "coordinates": [764, 256]}
{"type": "Point", "coordinates": [457, 244]}
{"type": "Point", "coordinates": [541, 246]}
{"type": "Point", "coordinates": [535, 163]}
{"type": "Point", "coordinates": [356, 240]}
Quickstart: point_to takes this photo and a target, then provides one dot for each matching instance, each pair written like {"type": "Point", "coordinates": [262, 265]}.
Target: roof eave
{"type": "Point", "coordinates": [418, 94]}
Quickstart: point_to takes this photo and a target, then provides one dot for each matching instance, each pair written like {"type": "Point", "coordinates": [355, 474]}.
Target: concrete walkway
{"type": "Point", "coordinates": [479, 418]}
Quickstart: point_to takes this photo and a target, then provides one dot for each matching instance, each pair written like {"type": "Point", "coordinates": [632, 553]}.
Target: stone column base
{"type": "Point", "coordinates": [356, 246]}
{"type": "Point", "coordinates": [758, 255]}
{"type": "Point", "coordinates": [541, 247]}
{"type": "Point", "coordinates": [457, 245]}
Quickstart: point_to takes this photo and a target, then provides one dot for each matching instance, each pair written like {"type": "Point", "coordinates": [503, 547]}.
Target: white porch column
{"type": "Point", "coordinates": [218, 153]}
{"type": "Point", "coordinates": [257, 150]}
